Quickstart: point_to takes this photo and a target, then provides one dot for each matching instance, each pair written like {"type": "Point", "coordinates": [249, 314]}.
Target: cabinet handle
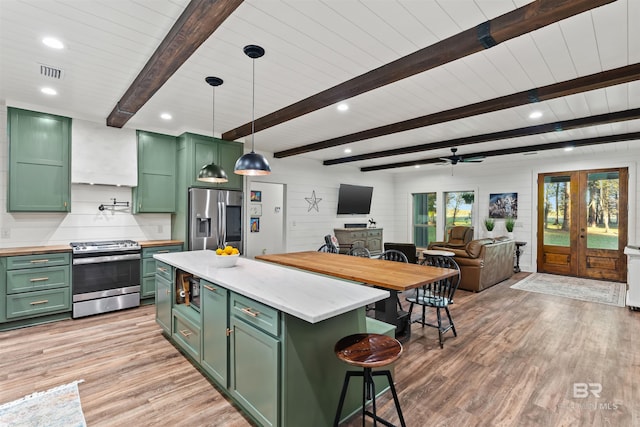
{"type": "Point", "coordinates": [65, 204]}
{"type": "Point", "coordinates": [211, 288]}
{"type": "Point", "coordinates": [164, 270]}
{"type": "Point", "coordinates": [186, 333]}
{"type": "Point", "coordinates": [39, 261]}
{"type": "Point", "coordinates": [163, 252]}
{"type": "Point", "coordinates": [39, 279]}
{"type": "Point", "coordinates": [168, 292]}
{"type": "Point", "coordinates": [250, 312]}
{"type": "Point", "coordinates": [229, 331]}
{"type": "Point", "coordinates": [44, 301]}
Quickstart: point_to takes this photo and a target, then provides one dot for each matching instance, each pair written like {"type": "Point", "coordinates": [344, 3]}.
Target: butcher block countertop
{"type": "Point", "coordinates": [34, 250]}
{"type": "Point", "coordinates": [50, 249]}
{"type": "Point", "coordinates": [396, 276]}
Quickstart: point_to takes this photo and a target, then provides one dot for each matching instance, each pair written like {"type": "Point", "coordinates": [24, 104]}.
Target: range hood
{"type": "Point", "coordinates": [103, 155]}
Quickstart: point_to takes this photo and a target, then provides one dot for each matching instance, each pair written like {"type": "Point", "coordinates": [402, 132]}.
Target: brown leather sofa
{"type": "Point", "coordinates": [483, 262]}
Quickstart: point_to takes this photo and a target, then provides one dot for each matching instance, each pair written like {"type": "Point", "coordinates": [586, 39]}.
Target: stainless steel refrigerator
{"type": "Point", "coordinates": [215, 219]}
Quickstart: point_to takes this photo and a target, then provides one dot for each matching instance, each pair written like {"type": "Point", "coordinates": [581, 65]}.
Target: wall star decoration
{"type": "Point", "coordinates": [313, 201]}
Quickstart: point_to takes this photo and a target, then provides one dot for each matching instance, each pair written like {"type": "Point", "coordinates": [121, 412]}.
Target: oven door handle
{"type": "Point", "coordinates": [106, 258]}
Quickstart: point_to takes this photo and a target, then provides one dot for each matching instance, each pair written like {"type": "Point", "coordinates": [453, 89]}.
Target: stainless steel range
{"type": "Point", "coordinates": [105, 276]}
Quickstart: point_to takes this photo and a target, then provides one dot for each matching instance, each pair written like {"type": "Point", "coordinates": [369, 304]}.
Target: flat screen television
{"type": "Point", "coordinates": [354, 199]}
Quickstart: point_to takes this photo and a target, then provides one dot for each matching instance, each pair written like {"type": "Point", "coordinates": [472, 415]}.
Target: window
{"type": "Point", "coordinates": [424, 219]}
{"type": "Point", "coordinates": [458, 209]}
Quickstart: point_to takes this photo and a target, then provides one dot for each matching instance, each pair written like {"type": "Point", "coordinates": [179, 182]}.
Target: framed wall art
{"type": "Point", "coordinates": [256, 195]}
{"type": "Point", "coordinates": [503, 205]}
{"type": "Point", "coordinates": [254, 225]}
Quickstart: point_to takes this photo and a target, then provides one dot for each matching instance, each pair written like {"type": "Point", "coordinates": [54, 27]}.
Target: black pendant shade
{"type": "Point", "coordinates": [253, 164]}
{"type": "Point", "coordinates": [212, 172]}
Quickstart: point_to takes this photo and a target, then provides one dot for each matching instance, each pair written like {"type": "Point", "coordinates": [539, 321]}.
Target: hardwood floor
{"type": "Point", "coordinates": [514, 363]}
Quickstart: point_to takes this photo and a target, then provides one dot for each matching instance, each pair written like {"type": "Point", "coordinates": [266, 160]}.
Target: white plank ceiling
{"type": "Point", "coordinates": [312, 45]}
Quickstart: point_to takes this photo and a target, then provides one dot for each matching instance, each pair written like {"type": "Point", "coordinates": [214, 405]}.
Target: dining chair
{"type": "Point", "coordinates": [409, 249]}
{"type": "Point", "coordinates": [437, 295]}
{"type": "Point", "coordinates": [326, 248]}
{"type": "Point", "coordinates": [393, 255]}
{"type": "Point", "coordinates": [360, 251]}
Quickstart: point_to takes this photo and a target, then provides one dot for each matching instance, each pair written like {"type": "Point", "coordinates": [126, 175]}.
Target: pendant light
{"type": "Point", "coordinates": [213, 172]}
{"type": "Point", "coordinates": [253, 163]}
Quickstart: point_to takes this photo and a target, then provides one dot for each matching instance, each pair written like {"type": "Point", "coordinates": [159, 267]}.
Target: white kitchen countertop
{"type": "Point", "coordinates": [307, 296]}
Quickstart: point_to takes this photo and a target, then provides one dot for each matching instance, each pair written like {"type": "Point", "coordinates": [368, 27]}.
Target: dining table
{"type": "Point", "coordinates": [396, 277]}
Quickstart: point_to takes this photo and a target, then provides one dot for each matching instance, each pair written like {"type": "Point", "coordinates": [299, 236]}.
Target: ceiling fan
{"type": "Point", "coordinates": [454, 158]}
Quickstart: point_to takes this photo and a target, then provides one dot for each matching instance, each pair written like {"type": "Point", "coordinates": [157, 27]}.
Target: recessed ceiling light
{"type": "Point", "coordinates": [347, 150]}
{"type": "Point", "coordinates": [417, 166]}
{"type": "Point", "coordinates": [535, 114]}
{"type": "Point", "coordinates": [568, 148]}
{"type": "Point", "coordinates": [48, 91]}
{"type": "Point", "coordinates": [342, 107]}
{"type": "Point", "coordinates": [53, 43]}
{"type": "Point", "coordinates": [165, 116]}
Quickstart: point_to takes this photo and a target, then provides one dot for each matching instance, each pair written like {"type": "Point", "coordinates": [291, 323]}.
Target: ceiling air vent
{"type": "Point", "coordinates": [51, 72]}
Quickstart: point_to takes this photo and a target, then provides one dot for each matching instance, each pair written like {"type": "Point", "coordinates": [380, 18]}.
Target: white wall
{"type": "Point", "coordinates": [305, 229]}
{"type": "Point", "coordinates": [494, 175]}
{"type": "Point", "coordinates": [84, 223]}
{"type": "Point", "coordinates": [270, 239]}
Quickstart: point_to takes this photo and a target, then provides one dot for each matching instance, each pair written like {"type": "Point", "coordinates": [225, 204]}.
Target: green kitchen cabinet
{"type": "Point", "coordinates": [164, 298]}
{"type": "Point", "coordinates": [215, 330]}
{"type": "Point", "coordinates": [255, 371]}
{"type": "Point", "coordinates": [34, 289]}
{"type": "Point", "coordinates": [156, 190]}
{"type": "Point", "coordinates": [39, 178]}
{"type": "Point", "coordinates": [186, 330]}
{"type": "Point", "coordinates": [203, 150]}
{"type": "Point", "coordinates": [148, 268]}
{"type": "Point", "coordinates": [255, 336]}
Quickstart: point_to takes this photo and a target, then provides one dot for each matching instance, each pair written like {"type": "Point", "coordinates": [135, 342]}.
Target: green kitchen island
{"type": "Point", "coordinates": [264, 333]}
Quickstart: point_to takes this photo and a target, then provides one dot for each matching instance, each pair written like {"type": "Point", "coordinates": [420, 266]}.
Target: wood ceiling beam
{"type": "Point", "coordinates": [515, 150]}
{"type": "Point", "coordinates": [196, 23]}
{"type": "Point", "coordinates": [599, 119]}
{"type": "Point", "coordinates": [581, 84]}
{"type": "Point", "coordinates": [520, 21]}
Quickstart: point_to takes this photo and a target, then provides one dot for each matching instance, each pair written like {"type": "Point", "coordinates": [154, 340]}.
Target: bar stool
{"type": "Point", "coordinates": [368, 351]}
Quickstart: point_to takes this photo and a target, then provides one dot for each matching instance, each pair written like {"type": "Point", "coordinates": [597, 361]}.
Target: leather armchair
{"type": "Point", "coordinates": [457, 237]}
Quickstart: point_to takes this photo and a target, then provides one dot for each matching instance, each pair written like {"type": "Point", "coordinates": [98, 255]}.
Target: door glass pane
{"type": "Point", "coordinates": [458, 209]}
{"type": "Point", "coordinates": [557, 210]}
{"type": "Point", "coordinates": [424, 219]}
{"type": "Point", "coordinates": [602, 198]}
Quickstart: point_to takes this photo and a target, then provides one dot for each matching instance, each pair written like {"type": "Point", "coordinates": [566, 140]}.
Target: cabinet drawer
{"type": "Point", "coordinates": [255, 313]}
{"type": "Point", "coordinates": [150, 252]}
{"type": "Point", "coordinates": [34, 279]}
{"type": "Point", "coordinates": [32, 261]}
{"type": "Point", "coordinates": [38, 303]}
{"type": "Point", "coordinates": [164, 270]}
{"type": "Point", "coordinates": [375, 233]}
{"type": "Point", "coordinates": [186, 334]}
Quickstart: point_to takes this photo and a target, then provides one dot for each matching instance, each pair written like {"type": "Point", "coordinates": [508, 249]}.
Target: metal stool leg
{"type": "Point", "coordinates": [343, 394]}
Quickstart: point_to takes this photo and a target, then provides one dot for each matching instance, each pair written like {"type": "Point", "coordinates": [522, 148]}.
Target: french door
{"type": "Point", "coordinates": [582, 223]}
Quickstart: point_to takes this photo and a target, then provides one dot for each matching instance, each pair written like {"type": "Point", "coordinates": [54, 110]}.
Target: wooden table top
{"type": "Point", "coordinates": [392, 275]}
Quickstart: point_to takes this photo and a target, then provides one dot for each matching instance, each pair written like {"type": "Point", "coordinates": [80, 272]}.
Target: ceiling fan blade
{"type": "Point", "coordinates": [473, 159]}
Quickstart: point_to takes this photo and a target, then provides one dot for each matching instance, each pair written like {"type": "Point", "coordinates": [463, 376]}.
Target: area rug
{"type": "Point", "coordinates": [57, 407]}
{"type": "Point", "coordinates": [611, 293]}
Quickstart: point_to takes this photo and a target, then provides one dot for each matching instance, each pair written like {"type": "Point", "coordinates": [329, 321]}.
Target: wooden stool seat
{"type": "Point", "coordinates": [368, 351]}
